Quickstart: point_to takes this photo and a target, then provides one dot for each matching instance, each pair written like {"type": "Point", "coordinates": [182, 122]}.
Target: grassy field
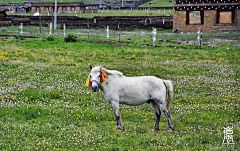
{"type": "Point", "coordinates": [135, 36]}
{"type": "Point", "coordinates": [153, 3]}
{"type": "Point", "coordinates": [158, 3]}
{"type": "Point", "coordinates": [45, 105]}
{"type": "Point", "coordinates": [159, 12]}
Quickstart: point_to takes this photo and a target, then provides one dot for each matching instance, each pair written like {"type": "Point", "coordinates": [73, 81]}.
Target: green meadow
{"type": "Point", "coordinates": [44, 104]}
{"type": "Point", "coordinates": [158, 3]}
{"type": "Point", "coordinates": [106, 12]}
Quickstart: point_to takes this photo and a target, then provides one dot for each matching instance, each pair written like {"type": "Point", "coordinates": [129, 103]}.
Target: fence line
{"type": "Point", "coordinates": [121, 34]}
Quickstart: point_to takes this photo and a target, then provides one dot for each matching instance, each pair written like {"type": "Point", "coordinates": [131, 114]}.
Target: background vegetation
{"type": "Point", "coordinates": [158, 3]}
{"type": "Point", "coordinates": [45, 105]}
{"type": "Point", "coordinates": [136, 36]}
{"type": "Point", "coordinates": [141, 3]}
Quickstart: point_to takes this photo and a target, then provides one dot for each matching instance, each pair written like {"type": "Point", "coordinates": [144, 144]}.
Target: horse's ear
{"type": "Point", "coordinates": [90, 67]}
{"type": "Point", "coordinates": [100, 68]}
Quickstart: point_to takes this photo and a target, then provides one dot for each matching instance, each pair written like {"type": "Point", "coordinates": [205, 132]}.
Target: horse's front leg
{"type": "Point", "coordinates": [115, 106]}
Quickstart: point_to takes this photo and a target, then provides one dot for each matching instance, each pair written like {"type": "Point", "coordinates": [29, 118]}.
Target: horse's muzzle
{"type": "Point", "coordinates": [94, 88]}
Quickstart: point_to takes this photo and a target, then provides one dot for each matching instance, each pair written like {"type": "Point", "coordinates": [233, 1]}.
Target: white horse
{"type": "Point", "coordinates": [119, 89]}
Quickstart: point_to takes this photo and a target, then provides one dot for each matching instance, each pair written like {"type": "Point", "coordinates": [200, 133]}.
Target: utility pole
{"type": "Point", "coordinates": [55, 16]}
{"type": "Point", "coordinates": [52, 14]}
{"type": "Point", "coordinates": [39, 16]}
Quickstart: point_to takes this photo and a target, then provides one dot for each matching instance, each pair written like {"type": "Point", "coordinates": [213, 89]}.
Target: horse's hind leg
{"type": "Point", "coordinates": [115, 106]}
{"type": "Point", "coordinates": [157, 113]}
{"type": "Point", "coordinates": [167, 114]}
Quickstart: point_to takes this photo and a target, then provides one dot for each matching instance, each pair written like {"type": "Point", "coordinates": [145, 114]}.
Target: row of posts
{"type": "Point", "coordinates": [64, 32]}
{"type": "Point", "coordinates": [154, 33]}
{"type": "Point", "coordinates": [50, 32]}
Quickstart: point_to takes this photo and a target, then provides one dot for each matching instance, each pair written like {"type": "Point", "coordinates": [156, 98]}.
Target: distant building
{"type": "Point", "coordinates": [61, 7]}
{"type": "Point", "coordinates": [208, 15]}
{"type": "Point", "coordinates": [48, 7]}
{"type": "Point", "coordinates": [5, 6]}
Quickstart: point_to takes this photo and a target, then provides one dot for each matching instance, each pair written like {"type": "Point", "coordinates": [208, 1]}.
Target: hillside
{"type": "Point", "coordinates": [145, 3]}
{"type": "Point", "coordinates": [158, 3]}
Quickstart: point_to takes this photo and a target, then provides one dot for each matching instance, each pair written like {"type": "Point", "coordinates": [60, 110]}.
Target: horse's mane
{"type": "Point", "coordinates": [112, 72]}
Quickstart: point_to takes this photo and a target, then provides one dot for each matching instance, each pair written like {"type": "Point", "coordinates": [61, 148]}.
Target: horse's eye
{"type": "Point", "coordinates": [90, 76]}
{"type": "Point", "coordinates": [99, 75]}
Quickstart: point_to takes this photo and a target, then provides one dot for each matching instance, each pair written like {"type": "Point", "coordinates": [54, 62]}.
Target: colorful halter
{"type": "Point", "coordinates": [102, 79]}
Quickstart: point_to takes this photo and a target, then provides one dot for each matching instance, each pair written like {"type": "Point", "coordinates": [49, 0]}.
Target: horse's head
{"type": "Point", "coordinates": [96, 77]}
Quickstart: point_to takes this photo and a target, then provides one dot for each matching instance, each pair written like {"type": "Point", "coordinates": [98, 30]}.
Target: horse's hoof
{"type": "Point", "coordinates": [172, 127]}
{"type": "Point", "coordinates": [120, 127]}
{"type": "Point", "coordinates": [156, 129]}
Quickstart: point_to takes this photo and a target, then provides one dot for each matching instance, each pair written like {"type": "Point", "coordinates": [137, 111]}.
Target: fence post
{"type": "Point", "coordinates": [198, 34]}
{"type": "Point", "coordinates": [64, 30]}
{"type": "Point", "coordinates": [118, 32]}
{"type": "Point", "coordinates": [21, 27]}
{"type": "Point", "coordinates": [201, 39]}
{"type": "Point", "coordinates": [88, 30]}
{"type": "Point", "coordinates": [50, 29]}
{"type": "Point", "coordinates": [154, 36]}
{"type": "Point", "coordinates": [107, 31]}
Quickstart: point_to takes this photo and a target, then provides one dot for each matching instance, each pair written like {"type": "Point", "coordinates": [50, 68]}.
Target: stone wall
{"type": "Point", "coordinates": [5, 23]}
{"type": "Point", "coordinates": [209, 24]}
{"type": "Point", "coordinates": [179, 20]}
{"type": "Point", "coordinates": [124, 22]}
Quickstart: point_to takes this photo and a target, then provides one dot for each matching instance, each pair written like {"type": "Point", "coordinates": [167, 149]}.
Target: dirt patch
{"type": "Point", "coordinates": [18, 37]}
{"type": "Point", "coordinates": [196, 42]}
{"type": "Point", "coordinates": [212, 43]}
{"type": "Point", "coordinates": [103, 42]}
{"type": "Point", "coordinates": [237, 45]}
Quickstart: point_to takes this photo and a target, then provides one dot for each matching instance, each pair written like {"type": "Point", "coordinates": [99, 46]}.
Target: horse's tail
{"type": "Point", "coordinates": [169, 96]}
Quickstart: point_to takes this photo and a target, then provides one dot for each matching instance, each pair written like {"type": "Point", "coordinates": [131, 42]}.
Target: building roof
{"type": "Point", "coordinates": [206, 4]}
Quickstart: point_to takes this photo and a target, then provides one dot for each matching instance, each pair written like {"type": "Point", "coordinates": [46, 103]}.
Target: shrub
{"type": "Point", "coordinates": [70, 38]}
{"type": "Point", "coordinates": [50, 38]}
{"type": "Point", "coordinates": [3, 30]}
{"type": "Point", "coordinates": [58, 26]}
